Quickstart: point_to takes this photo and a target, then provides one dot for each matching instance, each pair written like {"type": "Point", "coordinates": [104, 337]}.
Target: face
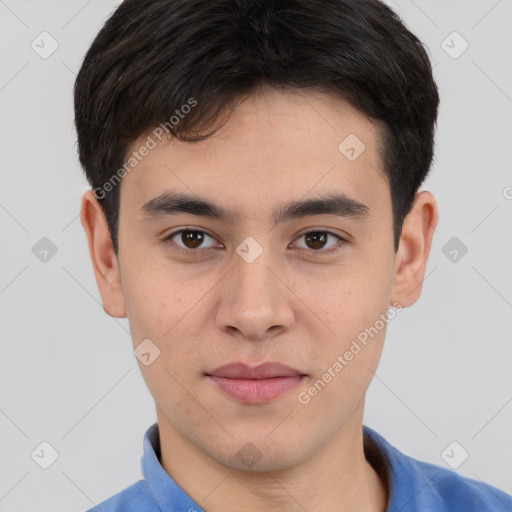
{"type": "Point", "coordinates": [254, 286]}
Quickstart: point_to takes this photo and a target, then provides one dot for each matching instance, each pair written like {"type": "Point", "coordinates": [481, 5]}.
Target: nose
{"type": "Point", "coordinates": [255, 302]}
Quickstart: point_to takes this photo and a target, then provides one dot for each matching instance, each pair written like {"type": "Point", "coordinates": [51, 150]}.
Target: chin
{"type": "Point", "coordinates": [258, 453]}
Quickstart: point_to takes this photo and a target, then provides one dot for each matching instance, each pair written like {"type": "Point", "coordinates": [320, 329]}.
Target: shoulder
{"type": "Point", "coordinates": [456, 492]}
{"type": "Point", "coordinates": [135, 498]}
{"type": "Point", "coordinates": [421, 486]}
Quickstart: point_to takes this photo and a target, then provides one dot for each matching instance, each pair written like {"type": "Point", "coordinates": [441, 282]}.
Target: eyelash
{"type": "Point", "coordinates": [197, 252]}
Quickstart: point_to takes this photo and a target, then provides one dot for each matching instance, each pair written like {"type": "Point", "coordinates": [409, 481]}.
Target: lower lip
{"type": "Point", "coordinates": [256, 391]}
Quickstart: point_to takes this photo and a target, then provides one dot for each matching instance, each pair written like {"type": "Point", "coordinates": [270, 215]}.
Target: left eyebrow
{"type": "Point", "coordinates": [173, 203]}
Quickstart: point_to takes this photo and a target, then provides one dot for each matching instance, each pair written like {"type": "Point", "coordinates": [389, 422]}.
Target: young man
{"type": "Point", "coordinates": [255, 167]}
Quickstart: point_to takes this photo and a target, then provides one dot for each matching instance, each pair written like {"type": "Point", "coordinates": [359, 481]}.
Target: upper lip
{"type": "Point", "coordinates": [262, 371]}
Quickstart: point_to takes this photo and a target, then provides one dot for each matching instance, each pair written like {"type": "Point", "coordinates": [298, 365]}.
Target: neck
{"type": "Point", "coordinates": [338, 477]}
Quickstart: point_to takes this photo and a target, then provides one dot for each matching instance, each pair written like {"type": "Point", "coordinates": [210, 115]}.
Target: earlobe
{"type": "Point", "coordinates": [103, 257]}
{"type": "Point", "coordinates": [414, 249]}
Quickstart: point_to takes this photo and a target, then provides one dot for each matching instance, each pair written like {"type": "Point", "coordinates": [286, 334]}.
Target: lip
{"type": "Point", "coordinates": [262, 371]}
{"type": "Point", "coordinates": [255, 384]}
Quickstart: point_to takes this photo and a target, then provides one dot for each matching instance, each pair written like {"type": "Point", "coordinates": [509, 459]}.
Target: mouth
{"type": "Point", "coordinates": [255, 384]}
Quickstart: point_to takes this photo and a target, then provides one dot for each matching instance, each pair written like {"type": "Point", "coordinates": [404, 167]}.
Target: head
{"type": "Point", "coordinates": [290, 139]}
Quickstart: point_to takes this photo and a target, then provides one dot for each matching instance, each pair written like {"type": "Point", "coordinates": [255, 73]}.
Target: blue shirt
{"type": "Point", "coordinates": [415, 486]}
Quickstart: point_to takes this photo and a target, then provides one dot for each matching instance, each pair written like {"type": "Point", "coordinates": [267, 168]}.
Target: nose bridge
{"type": "Point", "coordinates": [252, 277]}
{"type": "Point", "coordinates": [256, 299]}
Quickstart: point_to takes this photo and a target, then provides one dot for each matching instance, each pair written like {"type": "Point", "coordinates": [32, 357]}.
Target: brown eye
{"type": "Point", "coordinates": [317, 240]}
{"type": "Point", "coordinates": [192, 239]}
{"type": "Point", "coordinates": [188, 239]}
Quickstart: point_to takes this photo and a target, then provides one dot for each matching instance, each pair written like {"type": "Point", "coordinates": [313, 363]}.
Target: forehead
{"type": "Point", "coordinates": [276, 145]}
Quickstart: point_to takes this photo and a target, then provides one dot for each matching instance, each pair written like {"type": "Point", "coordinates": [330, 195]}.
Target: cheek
{"type": "Point", "coordinates": [340, 384]}
{"type": "Point", "coordinates": [372, 289]}
{"type": "Point", "coordinates": [168, 311]}
{"type": "Point", "coordinates": [352, 303]}
{"type": "Point", "coordinates": [154, 301]}
{"type": "Point", "coordinates": [348, 300]}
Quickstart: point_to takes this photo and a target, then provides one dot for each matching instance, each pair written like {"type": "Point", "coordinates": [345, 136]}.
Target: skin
{"type": "Point", "coordinates": [293, 304]}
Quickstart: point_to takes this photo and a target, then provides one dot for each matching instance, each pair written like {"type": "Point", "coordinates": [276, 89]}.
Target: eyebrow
{"type": "Point", "coordinates": [174, 203]}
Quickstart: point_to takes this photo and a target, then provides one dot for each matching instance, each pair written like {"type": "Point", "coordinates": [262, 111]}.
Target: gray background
{"type": "Point", "coordinates": [67, 370]}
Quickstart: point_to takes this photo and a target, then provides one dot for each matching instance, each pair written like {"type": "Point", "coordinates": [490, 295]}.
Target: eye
{"type": "Point", "coordinates": [316, 240]}
{"type": "Point", "coordinates": [193, 239]}
{"type": "Point", "coordinates": [190, 238]}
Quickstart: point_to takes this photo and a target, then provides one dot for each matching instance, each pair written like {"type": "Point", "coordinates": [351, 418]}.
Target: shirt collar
{"type": "Point", "coordinates": [411, 488]}
{"type": "Point", "coordinates": [168, 495]}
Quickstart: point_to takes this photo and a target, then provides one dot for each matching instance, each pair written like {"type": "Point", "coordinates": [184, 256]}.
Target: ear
{"type": "Point", "coordinates": [414, 249]}
{"type": "Point", "coordinates": [103, 257]}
